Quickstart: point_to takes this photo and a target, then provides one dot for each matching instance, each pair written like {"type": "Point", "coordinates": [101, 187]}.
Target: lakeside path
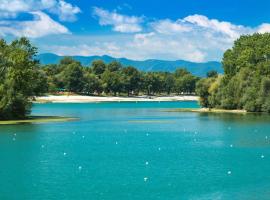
{"type": "Point", "coordinates": [89, 99]}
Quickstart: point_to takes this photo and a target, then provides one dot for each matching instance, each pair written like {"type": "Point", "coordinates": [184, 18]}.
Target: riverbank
{"type": "Point", "coordinates": [93, 99]}
{"type": "Point", "coordinates": [208, 110]}
{"type": "Point", "coordinates": [38, 119]}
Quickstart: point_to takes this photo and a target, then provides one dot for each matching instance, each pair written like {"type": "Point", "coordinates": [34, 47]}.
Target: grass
{"type": "Point", "coordinates": [38, 119]}
{"type": "Point", "coordinates": [207, 110]}
{"type": "Point", "coordinates": [150, 121]}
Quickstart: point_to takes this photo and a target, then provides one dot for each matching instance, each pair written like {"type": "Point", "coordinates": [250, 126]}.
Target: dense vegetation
{"type": "Point", "coordinates": [114, 79]}
{"type": "Point", "coordinates": [20, 78]}
{"type": "Point", "coordinates": [246, 80]}
{"type": "Point", "coordinates": [23, 78]}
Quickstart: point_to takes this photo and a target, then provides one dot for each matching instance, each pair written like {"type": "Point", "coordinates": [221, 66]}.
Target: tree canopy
{"type": "Point", "coordinates": [20, 78]}
{"type": "Point", "coordinates": [246, 80]}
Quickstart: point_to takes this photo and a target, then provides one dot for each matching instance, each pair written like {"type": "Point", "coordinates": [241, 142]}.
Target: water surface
{"type": "Point", "coordinates": [122, 151]}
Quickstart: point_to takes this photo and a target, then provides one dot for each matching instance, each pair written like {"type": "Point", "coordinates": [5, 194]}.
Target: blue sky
{"type": "Point", "coordinates": [194, 30]}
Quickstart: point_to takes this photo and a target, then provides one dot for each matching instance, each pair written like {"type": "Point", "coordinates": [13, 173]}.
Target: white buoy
{"type": "Point", "coordinates": [116, 142]}
{"type": "Point", "coordinates": [262, 156]}
{"type": "Point", "coordinates": [80, 167]}
{"type": "Point", "coordinates": [14, 139]}
{"type": "Point", "coordinates": [231, 145]}
{"type": "Point", "coordinates": [83, 137]}
{"type": "Point", "coordinates": [229, 172]}
{"type": "Point", "coordinates": [266, 137]}
{"type": "Point", "coordinates": [42, 146]}
{"type": "Point", "coordinates": [64, 153]}
{"type": "Point", "coordinates": [159, 148]}
{"type": "Point", "coordinates": [145, 179]}
{"type": "Point", "coordinates": [15, 134]}
{"type": "Point", "coordinates": [147, 134]}
{"type": "Point", "coordinates": [146, 163]}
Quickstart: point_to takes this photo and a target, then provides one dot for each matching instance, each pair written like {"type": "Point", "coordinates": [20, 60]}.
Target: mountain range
{"type": "Point", "coordinates": [198, 69]}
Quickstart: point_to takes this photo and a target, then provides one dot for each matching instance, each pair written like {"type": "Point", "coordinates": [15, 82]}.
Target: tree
{"type": "Point", "coordinates": [246, 83]}
{"type": "Point", "coordinates": [92, 84]}
{"type": "Point", "coordinates": [98, 67]}
{"type": "Point", "coordinates": [180, 72]}
{"type": "Point", "coordinates": [112, 82]}
{"type": "Point", "coordinates": [131, 78]}
{"type": "Point", "coordinates": [18, 78]}
{"type": "Point", "coordinates": [212, 73]}
{"type": "Point", "coordinates": [169, 83]}
{"type": "Point", "coordinates": [114, 66]}
{"type": "Point", "coordinates": [72, 77]}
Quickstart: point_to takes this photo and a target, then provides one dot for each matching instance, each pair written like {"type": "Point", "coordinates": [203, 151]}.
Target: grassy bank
{"type": "Point", "coordinates": [38, 119]}
{"type": "Point", "coordinates": [208, 110]}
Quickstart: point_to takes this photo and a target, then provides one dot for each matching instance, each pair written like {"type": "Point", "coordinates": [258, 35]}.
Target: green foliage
{"type": "Point", "coordinates": [115, 79]}
{"type": "Point", "coordinates": [98, 67]}
{"type": "Point", "coordinates": [246, 81]}
{"type": "Point", "coordinates": [20, 78]}
{"type": "Point", "coordinates": [212, 74]}
{"type": "Point", "coordinates": [72, 76]}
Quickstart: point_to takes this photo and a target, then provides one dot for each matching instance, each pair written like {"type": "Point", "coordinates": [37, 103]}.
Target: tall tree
{"type": "Point", "coordinates": [18, 78]}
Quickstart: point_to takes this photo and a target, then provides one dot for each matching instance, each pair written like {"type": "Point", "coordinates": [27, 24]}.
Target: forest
{"type": "Point", "coordinates": [246, 80]}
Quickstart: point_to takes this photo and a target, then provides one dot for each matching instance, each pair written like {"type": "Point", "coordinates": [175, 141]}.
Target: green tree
{"type": "Point", "coordinates": [212, 73]}
{"type": "Point", "coordinates": [72, 77]}
{"type": "Point", "coordinates": [112, 82]}
{"type": "Point", "coordinates": [18, 78]}
{"type": "Point", "coordinates": [98, 67]}
{"type": "Point", "coordinates": [245, 84]}
{"type": "Point", "coordinates": [114, 66]}
{"type": "Point", "coordinates": [131, 80]}
{"type": "Point", "coordinates": [92, 84]}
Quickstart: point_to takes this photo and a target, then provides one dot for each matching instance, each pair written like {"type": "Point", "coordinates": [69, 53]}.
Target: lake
{"type": "Point", "coordinates": [130, 151]}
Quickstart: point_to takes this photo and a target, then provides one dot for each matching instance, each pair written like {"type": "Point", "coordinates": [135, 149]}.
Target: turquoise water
{"type": "Point", "coordinates": [130, 151]}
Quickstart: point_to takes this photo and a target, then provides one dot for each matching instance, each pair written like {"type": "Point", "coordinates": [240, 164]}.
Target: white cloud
{"type": "Point", "coordinates": [64, 10]}
{"type": "Point", "coordinates": [167, 26]}
{"type": "Point", "coordinates": [120, 23]}
{"type": "Point", "coordinates": [42, 25]}
{"type": "Point", "coordinates": [85, 49]}
{"type": "Point", "coordinates": [226, 28]}
{"type": "Point", "coordinates": [194, 38]}
{"type": "Point", "coordinates": [264, 28]}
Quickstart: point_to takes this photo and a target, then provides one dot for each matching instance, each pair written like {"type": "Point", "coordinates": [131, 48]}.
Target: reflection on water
{"type": "Point", "coordinates": [136, 151]}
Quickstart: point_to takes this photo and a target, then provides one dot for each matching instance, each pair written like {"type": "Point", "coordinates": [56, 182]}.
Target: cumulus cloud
{"type": "Point", "coordinates": [86, 49]}
{"type": "Point", "coordinates": [120, 23]}
{"type": "Point", "coordinates": [194, 38]}
{"type": "Point", "coordinates": [42, 25]}
{"type": "Point", "coordinates": [64, 10]}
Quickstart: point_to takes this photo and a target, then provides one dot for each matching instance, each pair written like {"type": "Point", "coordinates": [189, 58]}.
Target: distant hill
{"type": "Point", "coordinates": [199, 69]}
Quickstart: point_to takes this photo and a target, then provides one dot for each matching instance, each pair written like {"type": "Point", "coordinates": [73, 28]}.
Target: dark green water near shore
{"type": "Point", "coordinates": [130, 151]}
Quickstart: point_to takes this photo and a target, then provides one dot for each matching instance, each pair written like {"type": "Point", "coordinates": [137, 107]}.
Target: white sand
{"type": "Point", "coordinates": [88, 99]}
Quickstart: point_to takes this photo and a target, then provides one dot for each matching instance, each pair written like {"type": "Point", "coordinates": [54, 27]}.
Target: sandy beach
{"type": "Point", "coordinates": [89, 99]}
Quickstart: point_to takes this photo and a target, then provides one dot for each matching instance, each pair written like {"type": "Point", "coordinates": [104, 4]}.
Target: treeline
{"type": "Point", "coordinates": [114, 79]}
{"type": "Point", "coordinates": [22, 78]}
{"type": "Point", "coordinates": [246, 80]}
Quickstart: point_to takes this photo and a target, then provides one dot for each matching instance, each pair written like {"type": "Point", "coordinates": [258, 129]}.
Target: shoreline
{"type": "Point", "coordinates": [38, 119]}
{"type": "Point", "coordinates": [97, 99]}
{"type": "Point", "coordinates": [208, 110]}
